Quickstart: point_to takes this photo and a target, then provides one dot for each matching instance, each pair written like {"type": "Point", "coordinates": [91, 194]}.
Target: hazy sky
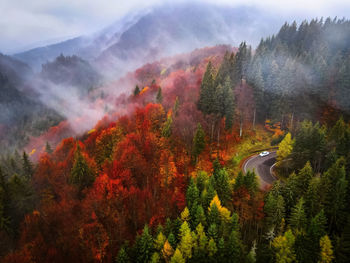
{"type": "Point", "coordinates": [28, 23]}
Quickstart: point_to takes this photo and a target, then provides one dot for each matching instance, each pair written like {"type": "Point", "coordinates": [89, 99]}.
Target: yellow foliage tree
{"type": "Point", "coordinates": [177, 258]}
{"type": "Point", "coordinates": [326, 250]}
{"type": "Point", "coordinates": [185, 215]}
{"type": "Point", "coordinates": [225, 214]}
{"type": "Point", "coordinates": [159, 242]}
{"type": "Point", "coordinates": [285, 147]}
{"type": "Point", "coordinates": [284, 248]}
{"type": "Point", "coordinates": [186, 244]}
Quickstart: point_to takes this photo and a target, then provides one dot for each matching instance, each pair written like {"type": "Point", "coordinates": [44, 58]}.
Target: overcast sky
{"type": "Point", "coordinates": [28, 23]}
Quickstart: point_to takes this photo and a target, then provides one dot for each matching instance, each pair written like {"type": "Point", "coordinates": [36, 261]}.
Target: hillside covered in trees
{"type": "Point", "coordinates": [163, 182]}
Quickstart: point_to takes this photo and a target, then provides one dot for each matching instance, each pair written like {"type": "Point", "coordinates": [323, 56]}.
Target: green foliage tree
{"type": "Point", "coordinates": [199, 217]}
{"type": "Point", "coordinates": [20, 201]}
{"type": "Point", "coordinates": [213, 232]}
{"type": "Point", "coordinates": [233, 248]}
{"type": "Point", "coordinates": [172, 240]}
{"type": "Point", "coordinates": [200, 250]}
{"type": "Point", "coordinates": [27, 166]}
{"type": "Point", "coordinates": [251, 257]}
{"type": "Point", "coordinates": [314, 197]}
{"type": "Point", "coordinates": [334, 187]}
{"type": "Point", "coordinates": [212, 248]}
{"type": "Point", "coordinates": [144, 246]}
{"type": "Point", "coordinates": [226, 69]}
{"type": "Point", "coordinates": [198, 142]}
{"type": "Point", "coordinates": [343, 249]}
{"type": "Point", "coordinates": [275, 210]}
{"type": "Point", "coordinates": [222, 185]}
{"type": "Point", "coordinates": [315, 230]}
{"type": "Point", "coordinates": [227, 103]}
{"type": "Point", "coordinates": [122, 256]}
{"type": "Point", "coordinates": [243, 57]}
{"type": "Point", "coordinates": [167, 127]}
{"type": "Point", "coordinates": [136, 90]}
{"type": "Point", "coordinates": [298, 216]}
{"type": "Point", "coordinates": [81, 174]}
{"type": "Point", "coordinates": [48, 148]}
{"type": "Point", "coordinates": [304, 177]}
{"type": "Point", "coordinates": [192, 194]}
{"type": "Point", "coordinates": [220, 256]}
{"type": "Point", "coordinates": [207, 91]}
{"type": "Point", "coordinates": [310, 143]}
{"type": "Point", "coordinates": [213, 215]}
{"type": "Point", "coordinates": [159, 97]}
{"type": "Point", "coordinates": [4, 202]}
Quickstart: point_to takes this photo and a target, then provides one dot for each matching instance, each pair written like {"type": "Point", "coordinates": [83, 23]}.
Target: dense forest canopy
{"type": "Point", "coordinates": [164, 182]}
{"type": "Point", "coordinates": [309, 62]}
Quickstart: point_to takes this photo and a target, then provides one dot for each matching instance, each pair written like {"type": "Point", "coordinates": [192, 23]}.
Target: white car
{"type": "Point", "coordinates": [264, 153]}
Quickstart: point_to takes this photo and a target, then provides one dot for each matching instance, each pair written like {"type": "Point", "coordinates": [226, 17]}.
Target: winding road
{"type": "Point", "coordinates": [262, 167]}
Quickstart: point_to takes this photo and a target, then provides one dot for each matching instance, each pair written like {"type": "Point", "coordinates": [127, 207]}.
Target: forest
{"type": "Point", "coordinates": [164, 181]}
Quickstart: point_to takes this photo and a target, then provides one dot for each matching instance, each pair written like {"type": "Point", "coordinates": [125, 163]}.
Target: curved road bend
{"type": "Point", "coordinates": [262, 167]}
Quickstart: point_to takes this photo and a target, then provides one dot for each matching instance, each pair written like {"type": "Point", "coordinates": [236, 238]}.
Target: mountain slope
{"type": "Point", "coordinates": [165, 30]}
{"type": "Point", "coordinates": [172, 29]}
{"type": "Point", "coordinates": [71, 72]}
{"type": "Point", "coordinates": [15, 70]}
{"type": "Point", "coordinates": [86, 46]}
{"type": "Point", "coordinates": [21, 114]}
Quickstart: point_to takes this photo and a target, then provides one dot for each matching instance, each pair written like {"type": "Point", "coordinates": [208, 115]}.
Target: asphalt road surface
{"type": "Point", "coordinates": [262, 167]}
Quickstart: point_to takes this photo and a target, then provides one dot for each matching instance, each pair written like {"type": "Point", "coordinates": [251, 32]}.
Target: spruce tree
{"type": "Point", "coordinates": [228, 103]}
{"type": "Point", "coordinates": [199, 217]}
{"type": "Point", "coordinates": [144, 246]}
{"type": "Point", "coordinates": [334, 187]}
{"type": "Point", "coordinates": [343, 249]}
{"type": "Point", "coordinates": [167, 127]}
{"type": "Point", "coordinates": [27, 166]}
{"type": "Point", "coordinates": [298, 216]}
{"type": "Point", "coordinates": [213, 232]}
{"type": "Point", "coordinates": [81, 174]}
{"type": "Point", "coordinates": [159, 97]}
{"type": "Point", "coordinates": [207, 91]}
{"type": "Point", "coordinates": [136, 90]}
{"type": "Point", "coordinates": [222, 186]}
{"type": "Point", "coordinates": [48, 148]}
{"type": "Point", "coordinates": [201, 250]}
{"type": "Point", "coordinates": [192, 194]}
{"type": "Point", "coordinates": [233, 248]}
{"type": "Point", "coordinates": [122, 256]}
{"type": "Point", "coordinates": [198, 142]}
{"type": "Point", "coordinates": [172, 240]}
{"type": "Point", "coordinates": [212, 249]}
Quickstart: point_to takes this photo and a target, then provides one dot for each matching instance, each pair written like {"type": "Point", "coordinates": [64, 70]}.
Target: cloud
{"type": "Point", "coordinates": [25, 24]}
